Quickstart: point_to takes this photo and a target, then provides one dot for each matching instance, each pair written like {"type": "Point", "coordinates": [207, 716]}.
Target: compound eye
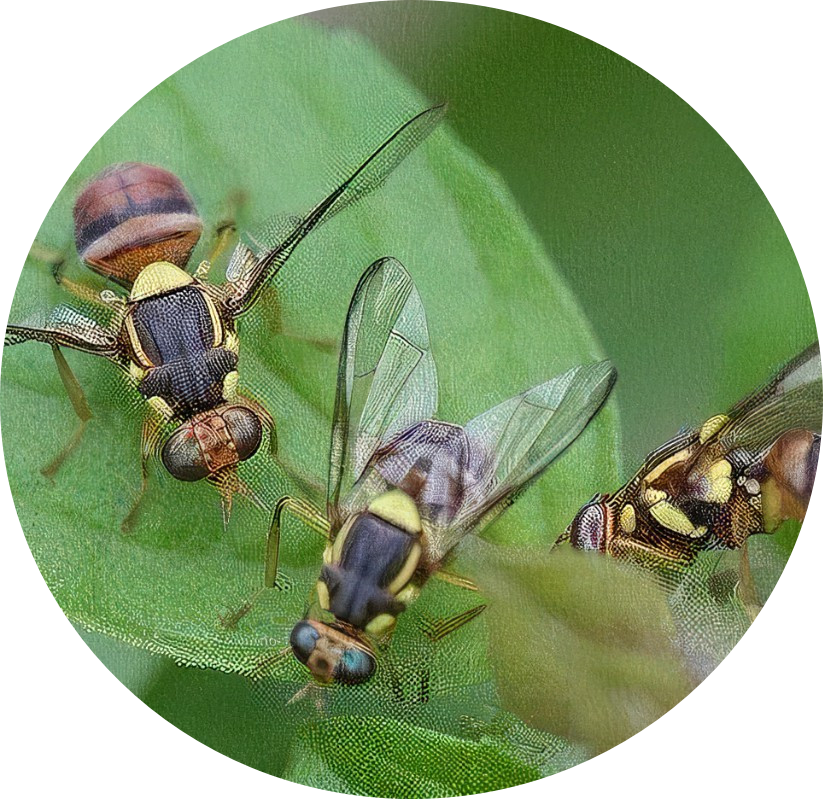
{"type": "Point", "coordinates": [245, 429]}
{"type": "Point", "coordinates": [588, 530]}
{"type": "Point", "coordinates": [303, 640]}
{"type": "Point", "coordinates": [183, 457]}
{"type": "Point", "coordinates": [354, 667]}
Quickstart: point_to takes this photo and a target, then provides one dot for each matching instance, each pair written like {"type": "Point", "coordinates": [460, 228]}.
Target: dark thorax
{"type": "Point", "coordinates": [371, 557]}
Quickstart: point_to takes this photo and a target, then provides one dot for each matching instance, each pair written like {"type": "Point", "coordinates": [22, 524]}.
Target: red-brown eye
{"type": "Point", "coordinates": [183, 456]}
{"type": "Point", "coordinates": [245, 429]}
{"type": "Point", "coordinates": [588, 530]}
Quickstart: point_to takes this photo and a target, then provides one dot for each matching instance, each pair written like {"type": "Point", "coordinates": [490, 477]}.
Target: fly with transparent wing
{"type": "Point", "coordinates": [404, 489]}
{"type": "Point", "coordinates": [175, 334]}
{"type": "Point", "coordinates": [740, 473]}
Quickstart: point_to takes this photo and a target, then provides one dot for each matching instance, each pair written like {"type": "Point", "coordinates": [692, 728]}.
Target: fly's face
{"type": "Point", "coordinates": [592, 529]}
{"type": "Point", "coordinates": [212, 441]}
{"type": "Point", "coordinates": [131, 215]}
{"type": "Point", "coordinates": [332, 653]}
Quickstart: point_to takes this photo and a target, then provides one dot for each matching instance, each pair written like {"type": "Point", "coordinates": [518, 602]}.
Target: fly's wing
{"type": "Point", "coordinates": [68, 327]}
{"type": "Point", "coordinates": [513, 443]}
{"type": "Point", "coordinates": [252, 267]}
{"type": "Point", "coordinates": [501, 451]}
{"type": "Point", "coordinates": [793, 399]}
{"type": "Point", "coordinates": [386, 379]}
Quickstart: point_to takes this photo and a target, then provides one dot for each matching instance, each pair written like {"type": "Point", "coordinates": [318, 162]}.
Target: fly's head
{"type": "Point", "coordinates": [592, 527]}
{"type": "Point", "coordinates": [212, 441]}
{"type": "Point", "coordinates": [333, 653]}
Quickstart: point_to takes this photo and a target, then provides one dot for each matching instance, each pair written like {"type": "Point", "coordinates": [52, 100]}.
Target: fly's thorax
{"type": "Point", "coordinates": [211, 441]}
{"type": "Point", "coordinates": [131, 215]}
{"type": "Point", "coordinates": [367, 578]}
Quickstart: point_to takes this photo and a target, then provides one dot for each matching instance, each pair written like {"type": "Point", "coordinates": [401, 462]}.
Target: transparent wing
{"type": "Point", "coordinates": [792, 399]}
{"type": "Point", "coordinates": [479, 470]}
{"type": "Point", "coordinates": [386, 380]}
{"type": "Point", "coordinates": [67, 327]}
{"type": "Point", "coordinates": [251, 267]}
{"type": "Point", "coordinates": [511, 444]}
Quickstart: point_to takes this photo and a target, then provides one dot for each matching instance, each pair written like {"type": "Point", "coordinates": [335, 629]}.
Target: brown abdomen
{"type": "Point", "coordinates": [131, 215]}
{"type": "Point", "coordinates": [792, 466]}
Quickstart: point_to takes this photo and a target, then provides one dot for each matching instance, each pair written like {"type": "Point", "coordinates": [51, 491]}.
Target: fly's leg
{"type": "Point", "coordinates": [768, 626]}
{"type": "Point", "coordinates": [81, 408]}
{"type": "Point", "coordinates": [56, 261]}
{"type": "Point", "coordinates": [325, 345]}
{"type": "Point", "coordinates": [224, 233]}
{"type": "Point", "coordinates": [149, 446]}
{"type": "Point", "coordinates": [455, 579]}
{"type": "Point", "coordinates": [438, 629]}
{"type": "Point", "coordinates": [304, 512]}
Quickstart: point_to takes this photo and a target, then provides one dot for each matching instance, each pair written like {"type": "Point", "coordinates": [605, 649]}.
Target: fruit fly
{"type": "Point", "coordinates": [405, 489]}
{"type": "Point", "coordinates": [740, 473]}
{"type": "Point", "coordinates": [175, 335]}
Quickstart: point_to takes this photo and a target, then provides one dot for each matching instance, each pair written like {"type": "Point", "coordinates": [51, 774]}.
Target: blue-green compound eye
{"type": "Point", "coordinates": [303, 639]}
{"type": "Point", "coordinates": [355, 666]}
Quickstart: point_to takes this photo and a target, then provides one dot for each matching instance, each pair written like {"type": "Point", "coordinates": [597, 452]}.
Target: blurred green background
{"type": "Point", "coordinates": [670, 158]}
{"type": "Point", "coordinates": [673, 251]}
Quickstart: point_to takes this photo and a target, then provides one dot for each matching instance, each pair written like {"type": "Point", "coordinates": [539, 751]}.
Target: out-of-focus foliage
{"type": "Point", "coordinates": [278, 116]}
{"type": "Point", "coordinates": [670, 689]}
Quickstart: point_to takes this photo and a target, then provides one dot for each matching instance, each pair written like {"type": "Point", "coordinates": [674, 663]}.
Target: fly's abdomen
{"type": "Point", "coordinates": [791, 467]}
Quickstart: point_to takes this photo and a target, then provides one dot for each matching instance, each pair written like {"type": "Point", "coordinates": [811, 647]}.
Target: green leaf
{"type": "Point", "coordinates": [610, 666]}
{"type": "Point", "coordinates": [268, 114]}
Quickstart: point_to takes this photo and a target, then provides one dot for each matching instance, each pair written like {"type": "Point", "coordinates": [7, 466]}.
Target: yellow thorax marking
{"type": "Point", "coordinates": [161, 406]}
{"type": "Point", "coordinates": [669, 515]}
{"type": "Point", "coordinates": [334, 548]}
{"type": "Point", "coordinates": [136, 371]}
{"type": "Point", "coordinates": [232, 342]}
{"type": "Point", "coordinates": [680, 455]}
{"type": "Point", "coordinates": [159, 278]}
{"type": "Point", "coordinates": [408, 569]}
{"type": "Point", "coordinates": [718, 482]}
{"type": "Point", "coordinates": [381, 625]}
{"type": "Point", "coordinates": [216, 324]}
{"type": "Point", "coordinates": [230, 386]}
{"type": "Point", "coordinates": [398, 509]}
{"type": "Point", "coordinates": [323, 595]}
{"type": "Point", "coordinates": [628, 519]}
{"type": "Point", "coordinates": [712, 426]}
{"type": "Point", "coordinates": [672, 518]}
{"type": "Point", "coordinates": [143, 360]}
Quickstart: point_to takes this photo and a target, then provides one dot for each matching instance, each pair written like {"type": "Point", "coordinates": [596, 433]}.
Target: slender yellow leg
{"type": "Point", "coordinates": [438, 629]}
{"type": "Point", "coordinates": [224, 233]}
{"type": "Point", "coordinates": [311, 516]}
{"type": "Point", "coordinates": [81, 408]}
{"type": "Point", "coordinates": [56, 261]}
{"type": "Point", "coordinates": [768, 627]}
{"type": "Point", "coordinates": [149, 445]}
{"type": "Point", "coordinates": [306, 513]}
{"type": "Point", "coordinates": [455, 579]}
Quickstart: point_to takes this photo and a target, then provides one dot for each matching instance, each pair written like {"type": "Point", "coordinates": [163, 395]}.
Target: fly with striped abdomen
{"type": "Point", "coordinates": [740, 473]}
{"type": "Point", "coordinates": [175, 334]}
{"type": "Point", "coordinates": [405, 489]}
